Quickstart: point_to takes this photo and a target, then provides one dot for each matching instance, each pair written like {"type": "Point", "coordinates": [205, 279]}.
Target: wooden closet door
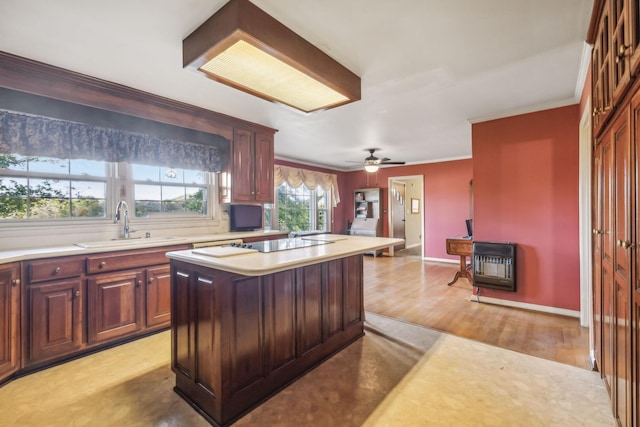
{"type": "Point", "coordinates": [606, 368]}
{"type": "Point", "coordinates": [597, 255]}
{"type": "Point", "coordinates": [621, 319]}
{"type": "Point", "coordinates": [635, 254]}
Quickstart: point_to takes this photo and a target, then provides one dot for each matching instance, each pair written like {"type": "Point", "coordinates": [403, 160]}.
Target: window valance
{"type": "Point", "coordinates": [43, 136]}
{"type": "Point", "coordinates": [295, 177]}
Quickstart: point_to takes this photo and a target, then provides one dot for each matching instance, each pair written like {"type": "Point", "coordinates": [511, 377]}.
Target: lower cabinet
{"type": "Point", "coordinates": [237, 339]}
{"type": "Point", "coordinates": [55, 319]}
{"type": "Point", "coordinates": [114, 305]}
{"type": "Point", "coordinates": [158, 297]}
{"type": "Point", "coordinates": [79, 303]}
{"type": "Point", "coordinates": [9, 319]}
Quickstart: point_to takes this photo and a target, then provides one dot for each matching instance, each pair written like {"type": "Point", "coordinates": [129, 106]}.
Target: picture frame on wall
{"type": "Point", "coordinates": [415, 206]}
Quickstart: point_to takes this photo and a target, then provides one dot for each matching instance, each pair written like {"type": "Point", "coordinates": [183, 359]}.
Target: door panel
{"type": "Point", "coordinates": [55, 316]}
{"type": "Point", "coordinates": [607, 262]}
{"type": "Point", "coordinates": [158, 298]}
{"type": "Point", "coordinates": [114, 305]}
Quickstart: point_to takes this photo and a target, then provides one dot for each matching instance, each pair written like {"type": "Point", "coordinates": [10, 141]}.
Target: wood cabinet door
{"type": "Point", "coordinates": [243, 177]}
{"type": "Point", "coordinates": [598, 234]}
{"type": "Point", "coordinates": [55, 319]}
{"type": "Point", "coordinates": [622, 267]}
{"type": "Point", "coordinates": [634, 36]}
{"type": "Point", "coordinates": [264, 168]}
{"type": "Point", "coordinates": [114, 305]}
{"type": "Point", "coordinates": [9, 317]}
{"type": "Point", "coordinates": [620, 48]}
{"type": "Point", "coordinates": [635, 248]}
{"type": "Point", "coordinates": [601, 58]}
{"type": "Point", "coordinates": [607, 260]}
{"type": "Point", "coordinates": [182, 322]}
{"type": "Point", "coordinates": [158, 296]}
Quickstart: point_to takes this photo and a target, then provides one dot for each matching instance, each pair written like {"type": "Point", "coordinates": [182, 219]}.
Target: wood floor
{"type": "Point", "coordinates": [410, 289]}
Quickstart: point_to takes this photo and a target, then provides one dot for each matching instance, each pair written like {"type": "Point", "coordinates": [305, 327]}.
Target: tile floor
{"type": "Point", "coordinates": [398, 374]}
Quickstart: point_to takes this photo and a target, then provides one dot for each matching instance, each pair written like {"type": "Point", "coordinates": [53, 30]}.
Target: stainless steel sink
{"type": "Point", "coordinates": [127, 242]}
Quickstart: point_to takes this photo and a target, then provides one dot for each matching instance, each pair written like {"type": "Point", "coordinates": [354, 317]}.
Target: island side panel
{"type": "Point", "coordinates": [353, 292]}
{"type": "Point", "coordinates": [309, 289]}
{"type": "Point", "coordinates": [244, 328]}
{"type": "Point", "coordinates": [239, 339]}
{"type": "Point", "coordinates": [334, 297]}
{"type": "Point", "coordinates": [280, 297]}
{"type": "Point", "coordinates": [196, 337]}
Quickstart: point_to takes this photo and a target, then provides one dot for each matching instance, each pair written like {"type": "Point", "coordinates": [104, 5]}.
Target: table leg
{"type": "Point", "coordinates": [463, 272]}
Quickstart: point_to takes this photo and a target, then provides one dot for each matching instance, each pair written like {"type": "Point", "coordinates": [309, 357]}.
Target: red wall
{"type": "Point", "coordinates": [526, 191]}
{"type": "Point", "coordinates": [446, 198]}
{"type": "Point", "coordinates": [445, 195]}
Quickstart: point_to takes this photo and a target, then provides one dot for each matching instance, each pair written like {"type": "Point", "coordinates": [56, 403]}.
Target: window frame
{"type": "Point", "coordinates": [61, 177]}
{"type": "Point", "coordinates": [119, 186]}
{"type": "Point", "coordinates": [274, 209]}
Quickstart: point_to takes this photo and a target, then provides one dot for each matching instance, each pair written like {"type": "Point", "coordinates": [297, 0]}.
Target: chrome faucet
{"type": "Point", "coordinates": [122, 205]}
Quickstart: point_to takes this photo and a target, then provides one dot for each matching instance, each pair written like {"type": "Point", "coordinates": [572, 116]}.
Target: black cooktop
{"type": "Point", "coordinates": [280, 244]}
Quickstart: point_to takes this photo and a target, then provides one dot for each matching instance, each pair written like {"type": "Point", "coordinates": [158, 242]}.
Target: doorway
{"type": "Point", "coordinates": [406, 213]}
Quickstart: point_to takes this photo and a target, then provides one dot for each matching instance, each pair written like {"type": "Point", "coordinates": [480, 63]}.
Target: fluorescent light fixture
{"type": "Point", "coordinates": [244, 47]}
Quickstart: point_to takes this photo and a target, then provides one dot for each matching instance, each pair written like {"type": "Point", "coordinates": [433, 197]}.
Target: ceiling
{"type": "Point", "coordinates": [429, 68]}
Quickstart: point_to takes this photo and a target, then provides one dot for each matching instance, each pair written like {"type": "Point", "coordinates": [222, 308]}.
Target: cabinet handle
{"type": "Point", "coordinates": [150, 279]}
{"type": "Point", "coordinates": [15, 282]}
{"type": "Point", "coordinates": [624, 244]}
{"type": "Point", "coordinates": [102, 264]}
{"type": "Point", "coordinates": [138, 283]}
{"type": "Point", "coordinates": [622, 52]}
{"type": "Point", "coordinates": [57, 270]}
{"type": "Point", "coordinates": [77, 293]}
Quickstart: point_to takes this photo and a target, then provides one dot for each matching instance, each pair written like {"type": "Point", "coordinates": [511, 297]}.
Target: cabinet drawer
{"type": "Point", "coordinates": [113, 261]}
{"type": "Point", "coordinates": [459, 247]}
{"type": "Point", "coordinates": [56, 268]}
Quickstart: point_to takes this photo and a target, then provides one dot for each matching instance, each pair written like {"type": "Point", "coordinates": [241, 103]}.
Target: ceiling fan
{"type": "Point", "coordinates": [372, 163]}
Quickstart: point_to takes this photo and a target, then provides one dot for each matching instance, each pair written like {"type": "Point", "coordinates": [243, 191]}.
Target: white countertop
{"type": "Point", "coordinates": [258, 263]}
{"type": "Point", "coordinates": [7, 256]}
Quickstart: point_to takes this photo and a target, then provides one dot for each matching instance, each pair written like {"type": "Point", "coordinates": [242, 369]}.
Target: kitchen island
{"type": "Point", "coordinates": [246, 323]}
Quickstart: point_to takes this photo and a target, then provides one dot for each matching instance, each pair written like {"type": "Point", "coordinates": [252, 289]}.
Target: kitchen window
{"type": "Point", "coordinates": [48, 188]}
{"type": "Point", "coordinates": [33, 187]}
{"type": "Point", "coordinates": [298, 209]}
{"type": "Point", "coordinates": [169, 190]}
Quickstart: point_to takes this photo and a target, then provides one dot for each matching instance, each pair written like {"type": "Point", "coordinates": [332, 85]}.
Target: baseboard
{"type": "Point", "coordinates": [524, 305]}
{"type": "Point", "coordinates": [448, 261]}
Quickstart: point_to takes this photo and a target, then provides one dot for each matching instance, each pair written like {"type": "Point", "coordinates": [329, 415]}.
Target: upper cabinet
{"type": "Point", "coordinates": [252, 167]}
{"type": "Point", "coordinates": [602, 97]}
{"type": "Point", "coordinates": [615, 35]}
{"type": "Point", "coordinates": [634, 36]}
{"type": "Point", "coordinates": [620, 47]}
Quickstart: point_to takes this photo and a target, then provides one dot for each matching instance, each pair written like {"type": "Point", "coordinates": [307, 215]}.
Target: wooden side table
{"type": "Point", "coordinates": [463, 247]}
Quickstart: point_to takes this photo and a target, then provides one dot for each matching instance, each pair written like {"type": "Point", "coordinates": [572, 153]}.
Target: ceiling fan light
{"type": "Point", "coordinates": [371, 168]}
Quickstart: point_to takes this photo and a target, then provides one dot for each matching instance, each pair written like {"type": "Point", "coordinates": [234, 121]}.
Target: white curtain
{"type": "Point", "coordinates": [295, 177]}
